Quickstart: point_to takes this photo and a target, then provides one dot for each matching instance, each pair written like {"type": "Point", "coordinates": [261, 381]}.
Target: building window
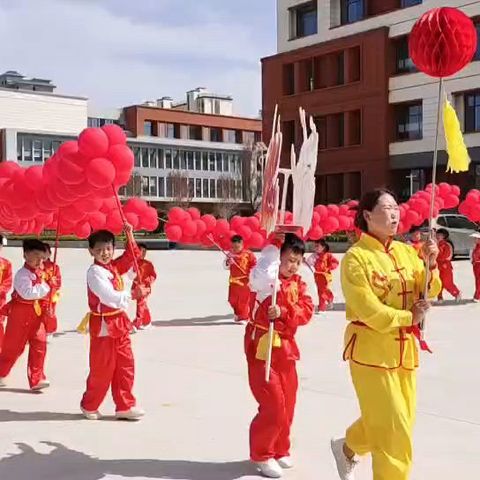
{"type": "Point", "coordinates": [213, 188]}
{"type": "Point", "coordinates": [472, 112]}
{"type": "Point", "coordinates": [230, 136]}
{"type": "Point", "coordinates": [37, 151]}
{"type": "Point", "coordinates": [194, 132]}
{"type": "Point", "coordinates": [249, 138]}
{"type": "Point", "coordinates": [198, 160]}
{"type": "Point", "coordinates": [148, 128]}
{"type": "Point", "coordinates": [137, 156]}
{"type": "Point", "coordinates": [145, 163]}
{"type": "Point", "coordinates": [190, 162]}
{"type": "Point", "coordinates": [198, 188]}
{"type": "Point", "coordinates": [215, 134]}
{"type": "Point", "coordinates": [191, 188]}
{"type": "Point", "coordinates": [176, 160]}
{"type": "Point", "coordinates": [168, 159]}
{"type": "Point", "coordinates": [404, 62]}
{"type": "Point", "coordinates": [169, 130]}
{"type": "Point", "coordinates": [477, 52]}
{"type": "Point", "coordinates": [183, 163]}
{"type": "Point", "coordinates": [219, 162]}
{"type": "Point", "coordinates": [352, 11]}
{"type": "Point", "coordinates": [153, 154]}
{"type": "Point", "coordinates": [289, 79]}
{"type": "Point", "coordinates": [304, 21]}
{"type": "Point", "coordinates": [169, 187]}
{"type": "Point", "coordinates": [410, 3]}
{"type": "Point", "coordinates": [205, 161]}
{"type": "Point", "coordinates": [205, 188]}
{"type": "Point", "coordinates": [409, 120]}
{"type": "Point", "coordinates": [211, 161]}
{"type": "Point", "coordinates": [153, 186]}
{"type": "Point", "coordinates": [145, 189]}
{"type": "Point", "coordinates": [161, 162]}
{"type": "Point", "coordinates": [161, 186]}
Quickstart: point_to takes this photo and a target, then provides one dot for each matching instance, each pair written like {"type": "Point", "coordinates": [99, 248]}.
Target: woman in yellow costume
{"type": "Point", "coordinates": [383, 282]}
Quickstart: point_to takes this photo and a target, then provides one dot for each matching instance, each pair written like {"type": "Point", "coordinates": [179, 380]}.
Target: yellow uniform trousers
{"type": "Point", "coordinates": [387, 401]}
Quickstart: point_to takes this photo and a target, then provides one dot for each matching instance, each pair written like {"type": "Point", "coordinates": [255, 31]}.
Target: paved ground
{"type": "Point", "coordinates": [191, 380]}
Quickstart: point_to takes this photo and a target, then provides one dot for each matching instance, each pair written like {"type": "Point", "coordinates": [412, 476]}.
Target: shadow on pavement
{"type": "Point", "coordinates": [451, 303]}
{"type": "Point", "coordinates": [213, 320]}
{"type": "Point", "coordinates": [62, 463]}
{"type": "Point", "coordinates": [338, 307]}
{"type": "Point", "coordinates": [10, 416]}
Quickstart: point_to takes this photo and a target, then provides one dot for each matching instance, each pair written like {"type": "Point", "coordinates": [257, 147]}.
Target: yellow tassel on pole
{"type": "Point", "coordinates": [458, 158]}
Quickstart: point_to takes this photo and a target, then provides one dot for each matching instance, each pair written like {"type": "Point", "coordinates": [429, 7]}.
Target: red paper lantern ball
{"type": "Point", "coordinates": [115, 135]}
{"type": "Point", "coordinates": [100, 172]}
{"type": "Point", "coordinates": [93, 142]}
{"type": "Point", "coordinates": [442, 42]}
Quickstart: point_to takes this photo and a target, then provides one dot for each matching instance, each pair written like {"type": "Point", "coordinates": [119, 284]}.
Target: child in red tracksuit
{"type": "Point", "coordinates": [476, 270]}
{"type": "Point", "coordinates": [444, 260]}
{"type": "Point", "coordinates": [54, 279]}
{"type": "Point", "coordinates": [143, 318]}
{"type": "Point", "coordinates": [111, 356]}
{"type": "Point", "coordinates": [25, 323]}
{"type": "Point", "coordinates": [5, 286]}
{"type": "Point", "coordinates": [270, 429]}
{"type": "Point", "coordinates": [240, 262]}
{"type": "Point", "coordinates": [322, 262]}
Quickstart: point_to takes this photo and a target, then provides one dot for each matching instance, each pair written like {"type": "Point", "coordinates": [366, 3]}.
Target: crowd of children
{"type": "Point", "coordinates": [31, 315]}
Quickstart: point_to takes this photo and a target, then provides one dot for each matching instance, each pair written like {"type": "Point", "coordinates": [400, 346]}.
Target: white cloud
{"type": "Point", "coordinates": [117, 60]}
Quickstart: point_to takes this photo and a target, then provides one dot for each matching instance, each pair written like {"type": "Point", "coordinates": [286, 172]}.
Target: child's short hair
{"type": "Point", "coordinates": [293, 243]}
{"type": "Point", "coordinates": [444, 232]}
{"type": "Point", "coordinates": [142, 245]}
{"type": "Point", "coordinates": [236, 239]}
{"type": "Point", "coordinates": [2, 240]}
{"type": "Point", "coordinates": [414, 230]}
{"type": "Point", "coordinates": [101, 236]}
{"type": "Point", "coordinates": [48, 249]}
{"type": "Point", "coordinates": [323, 243]}
{"type": "Point", "coordinates": [33, 245]}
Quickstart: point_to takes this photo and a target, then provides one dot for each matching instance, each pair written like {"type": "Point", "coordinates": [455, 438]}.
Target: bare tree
{"type": "Point", "coordinates": [253, 163]}
{"type": "Point", "coordinates": [133, 187]}
{"type": "Point", "coordinates": [181, 187]}
{"type": "Point", "coordinates": [228, 193]}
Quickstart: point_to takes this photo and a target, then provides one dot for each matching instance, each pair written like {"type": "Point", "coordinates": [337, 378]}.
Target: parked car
{"type": "Point", "coordinates": [460, 229]}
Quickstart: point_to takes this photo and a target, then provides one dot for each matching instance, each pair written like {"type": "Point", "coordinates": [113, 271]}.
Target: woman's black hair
{"type": "Point", "coordinates": [444, 232]}
{"type": "Point", "coordinates": [323, 243]}
{"type": "Point", "coordinates": [293, 243]}
{"type": "Point", "coordinates": [367, 203]}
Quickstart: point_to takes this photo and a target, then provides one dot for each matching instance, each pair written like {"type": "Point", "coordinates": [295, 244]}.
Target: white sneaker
{"type": "Point", "coordinates": [3, 382]}
{"type": "Point", "coordinates": [476, 300]}
{"type": "Point", "coordinates": [90, 415]}
{"type": "Point", "coordinates": [41, 385]}
{"type": "Point", "coordinates": [345, 466]}
{"type": "Point", "coordinates": [285, 462]}
{"type": "Point", "coordinates": [458, 298]}
{"type": "Point", "coordinates": [134, 330]}
{"type": "Point", "coordinates": [132, 414]}
{"type": "Point", "coordinates": [270, 468]}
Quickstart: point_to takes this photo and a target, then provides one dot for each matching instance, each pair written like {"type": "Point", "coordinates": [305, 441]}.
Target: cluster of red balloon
{"type": "Point", "coordinates": [75, 190]}
{"type": "Point", "coordinates": [190, 227]}
{"type": "Point", "coordinates": [328, 219]}
{"type": "Point", "coordinates": [416, 210]}
{"type": "Point", "coordinates": [470, 207]}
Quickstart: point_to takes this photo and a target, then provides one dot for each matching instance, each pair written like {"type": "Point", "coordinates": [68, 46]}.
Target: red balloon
{"type": "Point", "coordinates": [177, 215]}
{"type": "Point", "coordinates": [173, 232]}
{"type": "Point", "coordinates": [93, 143]}
{"type": "Point", "coordinates": [132, 219]}
{"type": "Point", "coordinates": [221, 228]}
{"type": "Point", "coordinates": [253, 223]}
{"type": "Point", "coordinates": [236, 222]}
{"type": "Point", "coordinates": [194, 213]}
{"type": "Point", "coordinates": [444, 189]}
{"type": "Point", "coordinates": [115, 222]}
{"type": "Point", "coordinates": [123, 160]}
{"type": "Point", "coordinates": [316, 233]}
{"type": "Point", "coordinates": [82, 230]}
{"type": "Point", "coordinates": [149, 219]}
{"type": "Point", "coordinates": [413, 217]}
{"type": "Point", "coordinates": [333, 210]}
{"type": "Point", "coordinates": [322, 210]}
{"type": "Point", "coordinates": [442, 42]}
{"type": "Point", "coordinates": [201, 227]}
{"type": "Point", "coordinates": [100, 172]}
{"type": "Point", "coordinates": [343, 222]}
{"type": "Point", "coordinates": [451, 201]}
{"type": "Point", "coordinates": [245, 232]}
{"type": "Point", "coordinates": [115, 134]}
{"type": "Point", "coordinates": [210, 222]}
{"type": "Point", "coordinates": [97, 220]}
{"type": "Point", "coordinates": [68, 150]}
{"type": "Point", "coordinates": [256, 240]}
{"type": "Point", "coordinates": [473, 196]}
{"type": "Point", "coordinates": [189, 228]}
{"type": "Point", "coordinates": [34, 176]}
{"type": "Point", "coordinates": [137, 205]}
{"type": "Point", "coordinates": [8, 168]}
{"type": "Point", "coordinates": [331, 225]}
{"type": "Point", "coordinates": [456, 190]}
{"type": "Point", "coordinates": [89, 204]}
{"type": "Point", "coordinates": [70, 173]}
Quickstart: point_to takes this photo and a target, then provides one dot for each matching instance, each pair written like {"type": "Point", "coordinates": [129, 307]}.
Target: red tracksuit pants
{"type": "Point", "coordinates": [476, 272]}
{"type": "Point", "coordinates": [51, 322]}
{"type": "Point", "coordinates": [24, 326]}
{"type": "Point", "coordinates": [239, 299]}
{"type": "Point", "coordinates": [446, 276]}
{"type": "Point", "coordinates": [325, 295]}
{"type": "Point", "coordinates": [270, 429]}
{"type": "Point", "coordinates": [143, 316]}
{"type": "Point", "coordinates": [111, 366]}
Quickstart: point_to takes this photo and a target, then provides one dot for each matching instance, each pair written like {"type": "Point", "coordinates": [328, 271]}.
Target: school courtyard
{"type": "Point", "coordinates": [191, 380]}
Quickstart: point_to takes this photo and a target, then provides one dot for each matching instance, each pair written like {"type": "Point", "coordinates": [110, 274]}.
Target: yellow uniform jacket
{"type": "Point", "coordinates": [380, 284]}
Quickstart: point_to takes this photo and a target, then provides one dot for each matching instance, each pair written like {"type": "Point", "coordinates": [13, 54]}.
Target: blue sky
{"type": "Point", "coordinates": [120, 52]}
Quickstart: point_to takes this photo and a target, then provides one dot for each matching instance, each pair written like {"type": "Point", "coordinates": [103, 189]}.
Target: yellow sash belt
{"type": "Point", "coordinates": [83, 325]}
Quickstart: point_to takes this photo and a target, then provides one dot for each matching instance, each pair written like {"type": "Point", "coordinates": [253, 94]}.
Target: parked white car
{"type": "Point", "coordinates": [460, 229]}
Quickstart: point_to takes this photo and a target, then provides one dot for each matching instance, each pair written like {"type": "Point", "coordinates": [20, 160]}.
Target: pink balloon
{"type": "Point", "coordinates": [173, 232]}
{"type": "Point", "coordinates": [331, 224]}
{"type": "Point", "coordinates": [100, 172]}
{"type": "Point", "coordinates": [322, 210]}
{"type": "Point", "coordinates": [115, 134]}
{"type": "Point", "coordinates": [93, 143]}
{"type": "Point", "coordinates": [333, 209]}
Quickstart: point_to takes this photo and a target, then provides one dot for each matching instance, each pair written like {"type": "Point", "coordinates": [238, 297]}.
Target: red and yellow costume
{"type": "Point", "coordinates": [270, 429]}
{"type": "Point", "coordinates": [25, 324]}
{"type": "Point", "coordinates": [445, 268]}
{"type": "Point", "coordinates": [111, 357]}
{"type": "Point", "coordinates": [5, 287]}
{"type": "Point", "coordinates": [476, 270]}
{"type": "Point", "coordinates": [54, 279]}
{"type": "Point", "coordinates": [148, 276]}
{"type": "Point", "coordinates": [381, 283]}
{"type": "Point", "coordinates": [323, 265]}
{"type": "Point", "coordinates": [240, 264]}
